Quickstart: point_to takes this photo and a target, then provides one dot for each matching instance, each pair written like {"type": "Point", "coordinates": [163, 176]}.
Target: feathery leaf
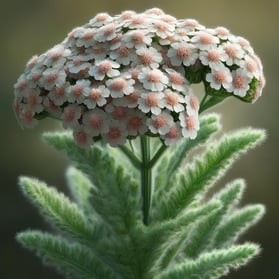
{"type": "Point", "coordinates": [213, 264]}
{"type": "Point", "coordinates": [70, 259]}
{"type": "Point", "coordinates": [195, 181]}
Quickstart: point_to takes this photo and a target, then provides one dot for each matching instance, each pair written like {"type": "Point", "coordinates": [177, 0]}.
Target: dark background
{"type": "Point", "coordinates": [32, 26]}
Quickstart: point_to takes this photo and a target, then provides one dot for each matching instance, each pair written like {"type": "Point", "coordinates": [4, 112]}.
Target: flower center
{"type": "Point", "coordinates": [154, 76]}
{"type": "Point", "coordinates": [172, 99]}
{"type": "Point", "coordinates": [213, 55]}
{"type": "Point", "coordinates": [190, 123]}
{"type": "Point", "coordinates": [95, 121]}
{"type": "Point", "coordinates": [104, 67]}
{"type": "Point", "coordinates": [159, 122]}
{"type": "Point", "coordinates": [152, 100]}
{"type": "Point", "coordinates": [239, 82]}
{"type": "Point", "coordinates": [118, 84]}
{"type": "Point", "coordinates": [220, 76]}
{"type": "Point", "coordinates": [114, 133]}
{"type": "Point", "coordinates": [95, 94]}
{"type": "Point", "coordinates": [183, 52]}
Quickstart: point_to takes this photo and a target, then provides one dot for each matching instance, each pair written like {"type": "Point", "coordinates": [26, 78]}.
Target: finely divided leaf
{"type": "Point", "coordinates": [213, 264]}
{"type": "Point", "coordinates": [197, 179]}
{"type": "Point", "coordinates": [59, 210]}
{"type": "Point", "coordinates": [71, 259]}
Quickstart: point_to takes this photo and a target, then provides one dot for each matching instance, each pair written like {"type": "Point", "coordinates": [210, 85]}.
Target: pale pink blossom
{"type": "Point", "coordinates": [192, 102]}
{"type": "Point", "coordinates": [106, 33]}
{"type": "Point", "coordinates": [59, 94]}
{"type": "Point", "coordinates": [174, 101]}
{"type": "Point", "coordinates": [177, 81]}
{"type": "Point", "coordinates": [137, 39]}
{"type": "Point", "coordinates": [78, 91]}
{"type": "Point", "coordinates": [71, 115]}
{"type": "Point", "coordinates": [213, 57]}
{"type": "Point", "coordinates": [160, 124]}
{"type": "Point", "coordinates": [220, 76]}
{"type": "Point", "coordinates": [154, 80]}
{"type": "Point", "coordinates": [81, 137]}
{"type": "Point", "coordinates": [189, 124]}
{"type": "Point", "coordinates": [96, 121]}
{"type": "Point", "coordinates": [34, 101]}
{"type": "Point", "coordinates": [96, 96]}
{"type": "Point", "coordinates": [117, 133]}
{"type": "Point", "coordinates": [52, 77]}
{"type": "Point", "coordinates": [136, 123]}
{"type": "Point", "coordinates": [27, 118]}
{"type": "Point", "coordinates": [76, 65]}
{"type": "Point", "coordinates": [173, 136]}
{"type": "Point", "coordinates": [149, 56]}
{"type": "Point", "coordinates": [100, 20]}
{"type": "Point", "coordinates": [120, 86]}
{"type": "Point", "coordinates": [240, 83]}
{"type": "Point", "coordinates": [204, 40]}
{"type": "Point", "coordinates": [234, 53]}
{"type": "Point", "coordinates": [123, 55]}
{"type": "Point", "coordinates": [182, 53]}
{"type": "Point", "coordinates": [151, 102]}
{"type": "Point", "coordinates": [104, 68]}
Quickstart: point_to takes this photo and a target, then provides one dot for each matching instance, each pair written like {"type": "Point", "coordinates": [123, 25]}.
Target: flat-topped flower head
{"type": "Point", "coordinates": [121, 76]}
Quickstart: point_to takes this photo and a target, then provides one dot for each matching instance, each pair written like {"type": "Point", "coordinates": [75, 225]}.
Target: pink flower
{"type": "Point", "coordinates": [151, 102]}
{"type": "Point", "coordinates": [149, 57]}
{"type": "Point", "coordinates": [220, 76]}
{"type": "Point", "coordinates": [189, 124]}
{"type": "Point", "coordinates": [160, 124]}
{"type": "Point", "coordinates": [240, 83]}
{"type": "Point", "coordinates": [154, 80]}
{"type": "Point", "coordinates": [117, 133]}
{"type": "Point", "coordinates": [104, 68]}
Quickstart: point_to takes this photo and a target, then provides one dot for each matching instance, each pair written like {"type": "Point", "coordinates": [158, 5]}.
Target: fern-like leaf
{"type": "Point", "coordinates": [80, 188]}
{"type": "Point", "coordinates": [173, 158]}
{"type": "Point", "coordinates": [59, 210]}
{"type": "Point", "coordinates": [112, 185]}
{"type": "Point", "coordinates": [236, 224]}
{"type": "Point", "coordinates": [212, 265]}
{"type": "Point", "coordinates": [71, 259]}
{"type": "Point", "coordinates": [195, 181]}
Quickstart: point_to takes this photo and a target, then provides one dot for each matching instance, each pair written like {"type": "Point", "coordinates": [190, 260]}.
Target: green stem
{"type": "Point", "coordinates": [157, 156]}
{"type": "Point", "coordinates": [132, 157]}
{"type": "Point", "coordinates": [146, 178]}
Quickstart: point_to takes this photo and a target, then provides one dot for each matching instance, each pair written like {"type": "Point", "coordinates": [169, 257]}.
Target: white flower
{"type": "Point", "coordinates": [130, 101]}
{"type": "Point", "coordinates": [177, 81]}
{"type": "Point", "coordinates": [27, 118]}
{"type": "Point", "coordinates": [120, 86]}
{"type": "Point", "coordinates": [160, 124]}
{"type": "Point", "coordinates": [240, 82]}
{"type": "Point", "coordinates": [189, 124]}
{"type": "Point", "coordinates": [96, 97]}
{"type": "Point", "coordinates": [71, 115]}
{"type": "Point", "coordinates": [59, 94]}
{"type": "Point", "coordinates": [123, 55]}
{"type": "Point", "coordinates": [212, 57]}
{"type": "Point", "coordinates": [251, 66]}
{"type": "Point", "coordinates": [34, 77]}
{"type": "Point", "coordinates": [52, 77]}
{"type": "Point", "coordinates": [21, 86]}
{"type": "Point", "coordinates": [56, 56]}
{"type": "Point", "coordinates": [100, 20]}
{"type": "Point", "coordinates": [117, 112]}
{"type": "Point", "coordinates": [106, 33]}
{"type": "Point", "coordinates": [136, 123]}
{"type": "Point", "coordinates": [54, 110]}
{"type": "Point", "coordinates": [96, 121]}
{"type": "Point", "coordinates": [149, 57]}
{"type": "Point", "coordinates": [173, 136]}
{"type": "Point", "coordinates": [82, 137]}
{"type": "Point", "coordinates": [151, 102]}
{"type": "Point", "coordinates": [223, 33]}
{"type": "Point", "coordinates": [137, 39]}
{"type": "Point", "coordinates": [182, 53]}
{"type": "Point", "coordinates": [34, 101]}
{"type": "Point", "coordinates": [86, 39]}
{"type": "Point", "coordinates": [104, 68]}
{"type": "Point", "coordinates": [78, 91]}
{"type": "Point", "coordinates": [192, 103]}
{"type": "Point", "coordinates": [204, 40]}
{"type": "Point", "coordinates": [77, 64]}
{"type": "Point", "coordinates": [174, 101]}
{"type": "Point", "coordinates": [234, 53]}
{"type": "Point", "coordinates": [117, 133]}
{"type": "Point", "coordinates": [163, 29]}
{"type": "Point", "coordinates": [154, 80]}
{"type": "Point", "coordinates": [220, 76]}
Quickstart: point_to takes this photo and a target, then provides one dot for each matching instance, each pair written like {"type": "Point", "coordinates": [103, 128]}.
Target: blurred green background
{"type": "Point", "coordinates": [32, 26]}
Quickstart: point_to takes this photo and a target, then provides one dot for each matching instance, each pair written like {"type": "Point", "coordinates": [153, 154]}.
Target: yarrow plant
{"type": "Point", "coordinates": [125, 82]}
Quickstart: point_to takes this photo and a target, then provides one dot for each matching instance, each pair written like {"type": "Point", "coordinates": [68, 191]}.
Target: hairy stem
{"type": "Point", "coordinates": [146, 178]}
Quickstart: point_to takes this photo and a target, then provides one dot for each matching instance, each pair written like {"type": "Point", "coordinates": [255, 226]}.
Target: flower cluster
{"type": "Point", "coordinates": [118, 77]}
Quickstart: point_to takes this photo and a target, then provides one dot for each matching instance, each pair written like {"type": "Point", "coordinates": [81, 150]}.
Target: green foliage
{"type": "Point", "coordinates": [100, 234]}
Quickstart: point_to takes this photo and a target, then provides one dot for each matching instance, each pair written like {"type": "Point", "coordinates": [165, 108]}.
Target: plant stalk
{"type": "Point", "coordinates": [146, 178]}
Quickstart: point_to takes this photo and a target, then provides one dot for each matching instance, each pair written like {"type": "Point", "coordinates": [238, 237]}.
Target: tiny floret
{"type": "Point", "coordinates": [121, 76]}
